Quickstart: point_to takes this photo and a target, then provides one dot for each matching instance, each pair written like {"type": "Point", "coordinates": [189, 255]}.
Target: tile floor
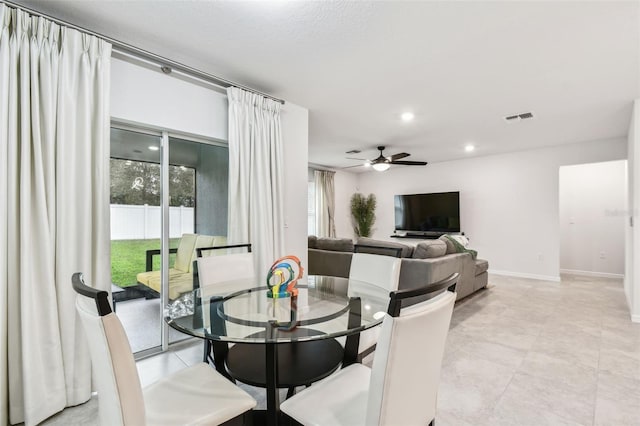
{"type": "Point", "coordinates": [522, 352]}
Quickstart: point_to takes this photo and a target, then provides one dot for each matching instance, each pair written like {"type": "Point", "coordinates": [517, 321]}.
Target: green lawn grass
{"type": "Point", "coordinates": [129, 258]}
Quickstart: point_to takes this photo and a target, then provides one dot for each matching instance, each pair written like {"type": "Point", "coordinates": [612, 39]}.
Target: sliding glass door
{"type": "Point", "coordinates": [168, 196]}
{"type": "Point", "coordinates": [198, 182]}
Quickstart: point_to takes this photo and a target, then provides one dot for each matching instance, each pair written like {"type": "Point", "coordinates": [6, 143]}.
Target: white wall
{"type": "Point", "coordinates": [149, 97]}
{"type": "Point", "coordinates": [508, 202]}
{"type": "Point", "coordinates": [346, 184]}
{"type": "Point", "coordinates": [632, 235]}
{"type": "Point", "coordinates": [295, 132]}
{"type": "Point", "coordinates": [592, 218]}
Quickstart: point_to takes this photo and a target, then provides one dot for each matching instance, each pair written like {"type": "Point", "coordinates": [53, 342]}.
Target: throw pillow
{"type": "Point", "coordinates": [430, 249]}
{"type": "Point", "coordinates": [450, 247]}
{"type": "Point", "coordinates": [461, 239]}
{"type": "Point", "coordinates": [459, 247]}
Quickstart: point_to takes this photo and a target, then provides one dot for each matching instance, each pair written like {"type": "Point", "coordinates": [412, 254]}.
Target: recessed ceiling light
{"type": "Point", "coordinates": [469, 148]}
{"type": "Point", "coordinates": [153, 147]}
{"type": "Point", "coordinates": [407, 116]}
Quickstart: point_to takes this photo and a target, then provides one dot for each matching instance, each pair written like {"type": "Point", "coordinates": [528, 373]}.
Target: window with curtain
{"type": "Point", "coordinates": [311, 204]}
{"type": "Point", "coordinates": [324, 203]}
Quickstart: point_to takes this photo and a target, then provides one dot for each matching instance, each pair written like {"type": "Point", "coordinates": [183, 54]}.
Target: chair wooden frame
{"type": "Point", "coordinates": [395, 304]}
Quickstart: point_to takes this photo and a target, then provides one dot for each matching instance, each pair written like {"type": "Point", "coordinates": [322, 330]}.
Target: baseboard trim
{"type": "Point", "coordinates": [525, 275]}
{"type": "Point", "coordinates": [591, 273]}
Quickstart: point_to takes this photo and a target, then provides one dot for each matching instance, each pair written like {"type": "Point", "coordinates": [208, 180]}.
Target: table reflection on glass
{"type": "Point", "coordinates": [283, 342]}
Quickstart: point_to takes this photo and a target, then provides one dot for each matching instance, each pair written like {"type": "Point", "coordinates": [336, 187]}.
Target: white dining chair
{"type": "Point", "coordinates": [379, 270]}
{"type": "Point", "coordinates": [220, 271]}
{"type": "Point", "coordinates": [195, 395]}
{"type": "Point", "coordinates": [401, 387]}
{"type": "Point", "coordinates": [219, 265]}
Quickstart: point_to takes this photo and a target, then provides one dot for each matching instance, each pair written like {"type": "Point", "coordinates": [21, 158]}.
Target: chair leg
{"type": "Point", "coordinates": [247, 418]}
{"type": "Point", "coordinates": [291, 392]}
{"type": "Point", "coordinates": [286, 420]}
{"type": "Point", "coordinates": [365, 353]}
{"type": "Point", "coordinates": [207, 357]}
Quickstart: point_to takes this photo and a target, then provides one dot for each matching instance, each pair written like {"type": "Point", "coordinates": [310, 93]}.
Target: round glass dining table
{"type": "Point", "coordinates": [284, 342]}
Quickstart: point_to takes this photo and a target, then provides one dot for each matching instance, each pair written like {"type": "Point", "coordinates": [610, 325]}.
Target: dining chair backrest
{"type": "Point", "coordinates": [230, 267]}
{"type": "Point", "coordinates": [383, 271]}
{"type": "Point", "coordinates": [406, 367]}
{"type": "Point", "coordinates": [120, 396]}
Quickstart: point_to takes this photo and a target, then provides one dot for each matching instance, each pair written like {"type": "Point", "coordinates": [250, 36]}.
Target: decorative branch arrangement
{"type": "Point", "coordinates": [363, 214]}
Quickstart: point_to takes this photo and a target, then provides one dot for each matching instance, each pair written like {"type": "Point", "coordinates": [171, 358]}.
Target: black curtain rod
{"type": "Point", "coordinates": [144, 54]}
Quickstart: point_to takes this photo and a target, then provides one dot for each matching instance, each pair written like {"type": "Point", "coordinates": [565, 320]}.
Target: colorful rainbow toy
{"type": "Point", "coordinates": [282, 279]}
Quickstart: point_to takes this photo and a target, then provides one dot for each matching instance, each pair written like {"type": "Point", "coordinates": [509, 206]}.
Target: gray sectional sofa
{"type": "Point", "coordinates": [426, 262]}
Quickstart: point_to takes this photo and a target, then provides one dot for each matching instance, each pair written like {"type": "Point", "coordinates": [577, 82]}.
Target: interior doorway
{"type": "Point", "coordinates": [592, 206]}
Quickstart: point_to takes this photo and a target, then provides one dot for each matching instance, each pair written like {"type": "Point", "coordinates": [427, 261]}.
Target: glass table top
{"type": "Point", "coordinates": [240, 311]}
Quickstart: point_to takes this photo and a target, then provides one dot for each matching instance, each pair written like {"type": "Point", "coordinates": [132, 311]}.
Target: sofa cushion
{"type": "Point", "coordinates": [430, 249]}
{"type": "Point", "coordinates": [481, 266]}
{"type": "Point", "coordinates": [334, 244]}
{"type": "Point", "coordinates": [407, 251]}
{"type": "Point", "coordinates": [312, 241]}
{"type": "Point", "coordinates": [202, 241]}
{"type": "Point", "coordinates": [451, 248]}
{"type": "Point", "coordinates": [185, 252]}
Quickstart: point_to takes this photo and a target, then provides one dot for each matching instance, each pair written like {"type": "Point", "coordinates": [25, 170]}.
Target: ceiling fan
{"type": "Point", "coordinates": [382, 163]}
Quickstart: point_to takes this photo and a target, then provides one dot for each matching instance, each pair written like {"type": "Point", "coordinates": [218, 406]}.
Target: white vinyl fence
{"type": "Point", "coordinates": [143, 222]}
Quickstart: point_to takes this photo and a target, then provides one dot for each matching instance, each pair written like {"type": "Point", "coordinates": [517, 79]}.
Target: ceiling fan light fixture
{"type": "Point", "coordinates": [381, 167]}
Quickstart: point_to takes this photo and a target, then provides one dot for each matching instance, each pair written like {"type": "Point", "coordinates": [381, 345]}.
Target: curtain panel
{"type": "Point", "coordinates": [54, 209]}
{"type": "Point", "coordinates": [325, 203]}
{"type": "Point", "coordinates": [256, 213]}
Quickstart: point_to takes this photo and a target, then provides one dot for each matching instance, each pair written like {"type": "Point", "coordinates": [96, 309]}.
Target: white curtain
{"type": "Point", "coordinates": [255, 176]}
{"type": "Point", "coordinates": [325, 203]}
{"type": "Point", "coordinates": [54, 209]}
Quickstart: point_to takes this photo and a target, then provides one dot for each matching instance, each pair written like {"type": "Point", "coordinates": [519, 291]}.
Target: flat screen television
{"type": "Point", "coordinates": [428, 213]}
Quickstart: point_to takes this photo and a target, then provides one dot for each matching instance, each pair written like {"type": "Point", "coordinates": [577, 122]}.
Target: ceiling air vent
{"type": "Point", "coordinates": [353, 151]}
{"type": "Point", "coordinates": [518, 117]}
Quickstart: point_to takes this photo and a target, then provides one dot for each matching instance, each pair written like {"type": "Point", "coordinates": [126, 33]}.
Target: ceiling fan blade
{"type": "Point", "coordinates": [410, 163]}
{"type": "Point", "coordinates": [398, 156]}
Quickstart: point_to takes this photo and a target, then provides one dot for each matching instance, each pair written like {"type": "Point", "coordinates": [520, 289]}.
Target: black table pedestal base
{"type": "Point", "coordinates": [284, 365]}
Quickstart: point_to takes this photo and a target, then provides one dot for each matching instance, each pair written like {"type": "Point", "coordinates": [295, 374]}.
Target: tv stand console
{"type": "Point", "coordinates": [423, 235]}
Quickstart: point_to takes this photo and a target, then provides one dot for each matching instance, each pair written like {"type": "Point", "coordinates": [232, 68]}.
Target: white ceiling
{"type": "Point", "coordinates": [459, 66]}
